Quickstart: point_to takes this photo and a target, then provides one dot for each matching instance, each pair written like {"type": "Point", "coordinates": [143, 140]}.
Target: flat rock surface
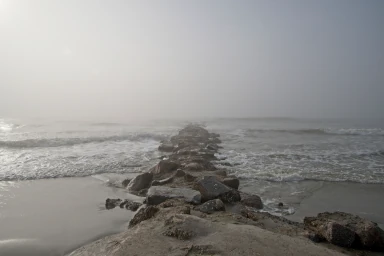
{"type": "Point", "coordinates": [159, 194]}
{"type": "Point", "coordinates": [202, 237]}
{"type": "Point", "coordinates": [211, 188]}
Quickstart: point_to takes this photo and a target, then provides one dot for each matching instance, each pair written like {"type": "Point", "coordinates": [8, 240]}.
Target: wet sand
{"type": "Point", "coordinates": [364, 200]}
{"type": "Point", "coordinates": [53, 217]}
{"type": "Point", "coordinates": [308, 198]}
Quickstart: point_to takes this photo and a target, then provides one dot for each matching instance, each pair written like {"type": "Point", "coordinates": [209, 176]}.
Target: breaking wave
{"type": "Point", "coordinates": [59, 142]}
{"type": "Point", "coordinates": [325, 131]}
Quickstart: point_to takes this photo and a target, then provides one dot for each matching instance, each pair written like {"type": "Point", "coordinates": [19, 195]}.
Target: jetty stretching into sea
{"type": "Point", "coordinates": [192, 207]}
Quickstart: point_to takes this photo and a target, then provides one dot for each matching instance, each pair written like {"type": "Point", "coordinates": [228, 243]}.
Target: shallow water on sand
{"type": "Point", "coordinates": [308, 198]}
{"type": "Point", "coordinates": [53, 217]}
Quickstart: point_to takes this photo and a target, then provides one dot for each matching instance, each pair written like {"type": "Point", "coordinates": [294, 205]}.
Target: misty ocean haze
{"type": "Point", "coordinates": [89, 89]}
{"type": "Point", "coordinates": [123, 60]}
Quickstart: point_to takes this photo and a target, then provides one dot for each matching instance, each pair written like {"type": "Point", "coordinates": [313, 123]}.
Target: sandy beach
{"type": "Point", "coordinates": [54, 216]}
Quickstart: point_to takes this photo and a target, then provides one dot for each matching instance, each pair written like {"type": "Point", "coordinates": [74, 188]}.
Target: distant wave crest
{"type": "Point", "coordinates": [320, 131]}
{"type": "Point", "coordinates": [59, 142]}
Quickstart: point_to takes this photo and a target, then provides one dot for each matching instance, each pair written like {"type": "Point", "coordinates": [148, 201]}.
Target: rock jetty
{"type": "Point", "coordinates": [193, 208]}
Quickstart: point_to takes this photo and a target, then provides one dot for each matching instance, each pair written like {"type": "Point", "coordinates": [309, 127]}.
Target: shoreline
{"type": "Point", "coordinates": [54, 217]}
{"type": "Point", "coordinates": [308, 206]}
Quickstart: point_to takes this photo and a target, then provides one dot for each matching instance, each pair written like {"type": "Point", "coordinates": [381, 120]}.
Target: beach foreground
{"type": "Point", "coordinates": [53, 217]}
{"type": "Point", "coordinates": [192, 208]}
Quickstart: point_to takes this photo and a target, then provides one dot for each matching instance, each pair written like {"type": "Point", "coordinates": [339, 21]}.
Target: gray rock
{"type": "Point", "coordinates": [339, 235]}
{"type": "Point", "coordinates": [143, 214]}
{"type": "Point", "coordinates": [162, 182]}
{"type": "Point", "coordinates": [112, 203]}
{"type": "Point", "coordinates": [212, 147]}
{"type": "Point", "coordinates": [211, 188]}
{"type": "Point", "coordinates": [232, 182]}
{"type": "Point", "coordinates": [179, 173]}
{"type": "Point", "coordinates": [142, 192]}
{"type": "Point", "coordinates": [253, 201]}
{"type": "Point", "coordinates": [130, 205]}
{"type": "Point", "coordinates": [159, 194]}
{"type": "Point", "coordinates": [211, 206]}
{"type": "Point", "coordinates": [368, 235]}
{"type": "Point", "coordinates": [125, 182]}
{"type": "Point", "coordinates": [165, 166]}
{"type": "Point", "coordinates": [140, 182]}
{"type": "Point", "coordinates": [194, 167]}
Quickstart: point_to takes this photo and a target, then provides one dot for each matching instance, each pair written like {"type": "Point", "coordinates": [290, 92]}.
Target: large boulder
{"type": "Point", "coordinates": [211, 188]}
{"type": "Point", "coordinates": [253, 201]}
{"type": "Point", "coordinates": [211, 206]}
{"type": "Point", "coordinates": [158, 194]}
{"type": "Point", "coordinates": [165, 166]}
{"type": "Point", "coordinates": [338, 227]}
{"type": "Point", "coordinates": [141, 181]}
{"type": "Point", "coordinates": [232, 182]}
{"type": "Point", "coordinates": [338, 234]}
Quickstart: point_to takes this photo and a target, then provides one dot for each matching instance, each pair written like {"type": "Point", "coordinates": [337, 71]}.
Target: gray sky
{"type": "Point", "coordinates": [130, 59]}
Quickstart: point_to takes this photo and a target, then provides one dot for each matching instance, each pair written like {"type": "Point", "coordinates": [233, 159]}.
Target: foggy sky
{"type": "Point", "coordinates": [165, 59]}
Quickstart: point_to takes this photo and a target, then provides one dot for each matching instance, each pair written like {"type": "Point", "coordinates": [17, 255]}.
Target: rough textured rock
{"type": "Point", "coordinates": [125, 182]}
{"type": "Point", "coordinates": [253, 201]}
{"type": "Point", "coordinates": [165, 166]}
{"type": "Point", "coordinates": [127, 204]}
{"type": "Point", "coordinates": [179, 233]}
{"type": "Point", "coordinates": [367, 234]}
{"type": "Point", "coordinates": [159, 194]}
{"type": "Point", "coordinates": [232, 182]}
{"type": "Point", "coordinates": [339, 235]}
{"type": "Point", "coordinates": [112, 203]}
{"type": "Point", "coordinates": [143, 214]}
{"type": "Point", "coordinates": [199, 237]}
{"type": "Point", "coordinates": [211, 188]}
{"type": "Point", "coordinates": [141, 181]}
{"type": "Point", "coordinates": [211, 206]}
{"type": "Point", "coordinates": [130, 205]}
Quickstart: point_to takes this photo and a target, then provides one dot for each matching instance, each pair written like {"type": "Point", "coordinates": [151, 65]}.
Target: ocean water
{"type": "Point", "coordinates": [260, 149]}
